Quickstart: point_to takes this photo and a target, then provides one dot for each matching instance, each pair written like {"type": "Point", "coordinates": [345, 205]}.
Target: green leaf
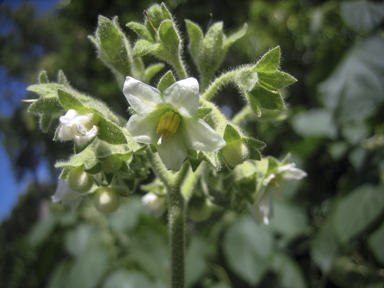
{"type": "Point", "coordinates": [315, 123]}
{"type": "Point", "coordinates": [269, 62]}
{"type": "Point", "coordinates": [62, 79]}
{"type": "Point", "coordinates": [288, 272]}
{"type": "Point", "coordinates": [104, 150]}
{"type": "Point", "coordinates": [46, 105]}
{"type": "Point", "coordinates": [262, 98]}
{"type": "Point", "coordinates": [247, 248]}
{"type": "Point", "coordinates": [195, 37]}
{"type": "Point", "coordinates": [130, 279]}
{"type": "Point", "coordinates": [196, 264]}
{"type": "Point", "coordinates": [276, 80]}
{"type": "Point", "coordinates": [114, 46]}
{"type": "Point", "coordinates": [228, 41]}
{"type": "Point", "coordinates": [43, 78]}
{"type": "Point", "coordinates": [203, 111]}
{"type": "Point", "coordinates": [354, 90]}
{"type": "Point", "coordinates": [376, 243]}
{"type": "Point", "coordinates": [246, 79]}
{"type": "Point", "coordinates": [42, 231]}
{"type": "Point", "coordinates": [166, 13]}
{"type": "Point", "coordinates": [45, 122]}
{"type": "Point", "coordinates": [110, 132]}
{"type": "Point", "coordinates": [69, 101]}
{"type": "Point", "coordinates": [325, 247]}
{"type": "Point", "coordinates": [152, 70]}
{"type": "Point", "coordinates": [362, 15]}
{"type": "Point", "coordinates": [167, 80]}
{"type": "Point", "coordinates": [155, 14]}
{"type": "Point", "coordinates": [45, 90]}
{"type": "Point", "coordinates": [86, 157]}
{"type": "Point", "coordinates": [143, 47]}
{"type": "Point", "coordinates": [141, 30]}
{"type": "Point", "coordinates": [168, 35]}
{"type": "Point", "coordinates": [357, 211]}
{"type": "Point", "coordinates": [231, 134]}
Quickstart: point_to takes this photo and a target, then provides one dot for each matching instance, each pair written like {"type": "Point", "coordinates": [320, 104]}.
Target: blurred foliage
{"type": "Point", "coordinates": [328, 232]}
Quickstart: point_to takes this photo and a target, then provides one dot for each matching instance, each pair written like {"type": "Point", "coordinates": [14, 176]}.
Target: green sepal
{"type": "Point", "coordinates": [228, 41]}
{"type": "Point", "coordinates": [260, 97]}
{"type": "Point", "coordinates": [45, 122]}
{"type": "Point", "coordinates": [276, 80]}
{"type": "Point", "coordinates": [43, 78]}
{"type": "Point", "coordinates": [110, 132]}
{"type": "Point", "coordinates": [47, 105]}
{"type": "Point", "coordinates": [141, 31]}
{"type": "Point", "coordinates": [212, 53]}
{"type": "Point", "coordinates": [203, 111]}
{"type": "Point", "coordinates": [45, 90]}
{"type": "Point", "coordinates": [246, 79]}
{"type": "Point", "coordinates": [195, 38]}
{"type": "Point", "coordinates": [166, 13]}
{"type": "Point", "coordinates": [151, 71]}
{"type": "Point", "coordinates": [247, 185]}
{"type": "Point", "coordinates": [269, 62]}
{"type": "Point", "coordinates": [168, 35]}
{"type": "Point", "coordinates": [254, 146]}
{"type": "Point", "coordinates": [156, 16]}
{"type": "Point", "coordinates": [114, 48]}
{"type": "Point", "coordinates": [104, 150]}
{"type": "Point", "coordinates": [62, 79]}
{"type": "Point", "coordinates": [273, 164]}
{"type": "Point", "coordinates": [231, 134]}
{"type": "Point", "coordinates": [143, 47]}
{"type": "Point", "coordinates": [167, 80]}
{"type": "Point", "coordinates": [86, 157]}
{"type": "Point", "coordinates": [69, 101]}
{"type": "Point", "coordinates": [195, 159]}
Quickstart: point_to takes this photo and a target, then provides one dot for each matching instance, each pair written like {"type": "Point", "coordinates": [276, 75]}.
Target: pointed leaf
{"type": "Point", "coordinates": [69, 101]}
{"type": "Point", "coordinates": [141, 30]}
{"type": "Point", "coordinates": [288, 271]}
{"type": "Point", "coordinates": [86, 157]}
{"type": "Point", "coordinates": [168, 34]}
{"type": "Point", "coordinates": [235, 36]}
{"type": "Point", "coordinates": [166, 13]}
{"type": "Point", "coordinates": [203, 111]}
{"type": "Point", "coordinates": [110, 132]}
{"type": "Point", "coordinates": [267, 99]}
{"type": "Point", "coordinates": [231, 134]}
{"type": "Point", "coordinates": [276, 80]}
{"type": "Point", "coordinates": [195, 37]}
{"type": "Point", "coordinates": [269, 62]}
{"type": "Point", "coordinates": [47, 105]}
{"type": "Point", "coordinates": [167, 80]}
{"type": "Point", "coordinates": [62, 79]}
{"type": "Point", "coordinates": [43, 78]}
{"type": "Point", "coordinates": [45, 90]}
{"type": "Point", "coordinates": [45, 122]}
{"type": "Point", "coordinates": [143, 47]}
{"type": "Point", "coordinates": [254, 146]}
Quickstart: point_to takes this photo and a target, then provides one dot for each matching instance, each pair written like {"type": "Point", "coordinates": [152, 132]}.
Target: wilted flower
{"type": "Point", "coordinates": [66, 195]}
{"type": "Point", "coordinates": [262, 209]}
{"type": "Point", "coordinates": [169, 119]}
{"type": "Point", "coordinates": [77, 127]}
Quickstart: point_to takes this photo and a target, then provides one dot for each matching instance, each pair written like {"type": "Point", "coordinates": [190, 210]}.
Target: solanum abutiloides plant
{"type": "Point", "coordinates": [197, 154]}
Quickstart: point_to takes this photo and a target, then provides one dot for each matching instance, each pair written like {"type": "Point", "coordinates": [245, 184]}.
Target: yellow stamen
{"type": "Point", "coordinates": [168, 125]}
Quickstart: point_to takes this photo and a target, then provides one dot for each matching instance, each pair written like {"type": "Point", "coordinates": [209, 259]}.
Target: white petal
{"type": "Point", "coordinates": [183, 96]}
{"type": "Point", "coordinates": [262, 211]}
{"type": "Point", "coordinates": [172, 151]}
{"type": "Point", "coordinates": [290, 172]}
{"type": "Point", "coordinates": [68, 117]}
{"type": "Point", "coordinates": [65, 195]}
{"type": "Point", "coordinates": [200, 136]}
{"type": "Point", "coordinates": [268, 179]}
{"type": "Point", "coordinates": [142, 97]}
{"type": "Point", "coordinates": [143, 128]}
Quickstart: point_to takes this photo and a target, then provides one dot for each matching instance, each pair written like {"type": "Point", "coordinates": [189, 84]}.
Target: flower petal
{"type": "Point", "coordinates": [143, 128]}
{"type": "Point", "coordinates": [183, 96]}
{"type": "Point", "coordinates": [200, 136]}
{"type": "Point", "coordinates": [262, 211]}
{"type": "Point", "coordinates": [66, 195]}
{"type": "Point", "coordinates": [290, 172]}
{"type": "Point", "coordinates": [172, 151]}
{"type": "Point", "coordinates": [142, 97]}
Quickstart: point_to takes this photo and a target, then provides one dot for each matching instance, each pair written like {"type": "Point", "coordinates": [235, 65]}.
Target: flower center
{"type": "Point", "coordinates": [168, 125]}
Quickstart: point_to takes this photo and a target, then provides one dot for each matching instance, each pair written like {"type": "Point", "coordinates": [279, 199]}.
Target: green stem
{"type": "Point", "coordinates": [218, 83]}
{"type": "Point", "coordinates": [180, 67]}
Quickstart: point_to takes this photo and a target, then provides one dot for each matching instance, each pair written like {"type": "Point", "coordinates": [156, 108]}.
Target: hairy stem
{"type": "Point", "coordinates": [180, 67]}
{"type": "Point", "coordinates": [217, 84]}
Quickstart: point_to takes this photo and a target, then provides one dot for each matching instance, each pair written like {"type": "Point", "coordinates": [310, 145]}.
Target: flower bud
{"type": "Point", "coordinates": [106, 199]}
{"type": "Point", "coordinates": [235, 153]}
{"type": "Point", "coordinates": [80, 181]}
{"type": "Point", "coordinates": [154, 204]}
{"type": "Point", "coordinates": [111, 164]}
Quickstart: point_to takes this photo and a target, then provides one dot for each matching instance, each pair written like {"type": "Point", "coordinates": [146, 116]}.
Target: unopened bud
{"type": "Point", "coordinates": [79, 180]}
{"type": "Point", "coordinates": [106, 199]}
{"type": "Point", "coordinates": [235, 153]}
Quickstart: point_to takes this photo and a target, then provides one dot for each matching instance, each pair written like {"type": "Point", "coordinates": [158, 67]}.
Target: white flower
{"type": "Point", "coordinates": [262, 209]}
{"type": "Point", "coordinates": [169, 119]}
{"type": "Point", "coordinates": [154, 204]}
{"type": "Point", "coordinates": [65, 195]}
{"type": "Point", "coordinates": [77, 127]}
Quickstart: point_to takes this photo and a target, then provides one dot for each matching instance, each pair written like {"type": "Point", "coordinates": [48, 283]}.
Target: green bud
{"type": "Point", "coordinates": [199, 208]}
{"type": "Point", "coordinates": [111, 164]}
{"type": "Point", "coordinates": [106, 199]}
{"type": "Point", "coordinates": [235, 153]}
{"type": "Point", "coordinates": [79, 180]}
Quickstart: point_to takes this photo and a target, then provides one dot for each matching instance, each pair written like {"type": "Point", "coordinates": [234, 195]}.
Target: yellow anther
{"type": "Point", "coordinates": [168, 125]}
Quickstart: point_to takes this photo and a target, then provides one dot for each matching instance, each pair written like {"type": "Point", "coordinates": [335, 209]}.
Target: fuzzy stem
{"type": "Point", "coordinates": [180, 67]}
{"type": "Point", "coordinates": [218, 83]}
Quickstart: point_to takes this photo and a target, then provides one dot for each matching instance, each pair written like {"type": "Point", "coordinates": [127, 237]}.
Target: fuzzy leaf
{"type": "Point", "coordinates": [86, 157]}
{"type": "Point", "coordinates": [143, 47]}
{"type": "Point", "coordinates": [45, 90]}
{"type": "Point", "coordinates": [246, 79]}
{"type": "Point", "coordinates": [231, 134]}
{"type": "Point", "coordinates": [47, 105]}
{"type": "Point", "coordinates": [228, 41]}
{"type": "Point", "coordinates": [168, 35]}
{"type": "Point", "coordinates": [276, 80]}
{"type": "Point", "coordinates": [203, 111]}
{"type": "Point", "coordinates": [167, 80]}
{"type": "Point", "coordinates": [141, 30]}
{"type": "Point", "coordinates": [269, 62]}
{"type": "Point", "coordinates": [43, 78]}
{"type": "Point", "coordinates": [254, 146]}
{"type": "Point", "coordinates": [195, 38]}
{"type": "Point", "coordinates": [45, 122]}
{"type": "Point", "coordinates": [69, 101]}
{"type": "Point", "coordinates": [166, 13]}
{"type": "Point", "coordinates": [262, 98]}
{"type": "Point", "coordinates": [110, 132]}
{"type": "Point", "coordinates": [62, 79]}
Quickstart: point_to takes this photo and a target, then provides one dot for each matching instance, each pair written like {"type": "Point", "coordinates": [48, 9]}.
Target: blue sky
{"type": "Point", "coordinates": [10, 188]}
